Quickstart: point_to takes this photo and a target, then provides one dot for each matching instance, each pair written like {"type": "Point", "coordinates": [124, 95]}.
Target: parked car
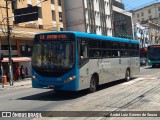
{"type": "Point", "coordinates": [143, 61]}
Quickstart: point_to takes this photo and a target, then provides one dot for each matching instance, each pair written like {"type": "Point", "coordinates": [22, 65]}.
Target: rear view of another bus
{"type": "Point", "coordinates": [154, 55]}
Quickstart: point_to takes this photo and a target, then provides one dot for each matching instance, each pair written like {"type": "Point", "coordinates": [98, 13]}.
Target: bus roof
{"type": "Point", "coordinates": [90, 35]}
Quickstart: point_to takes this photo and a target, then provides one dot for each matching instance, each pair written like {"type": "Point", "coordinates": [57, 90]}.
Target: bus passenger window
{"type": "Point", "coordinates": [96, 54]}
{"type": "Point", "coordinates": [119, 54]}
{"type": "Point", "coordinates": [83, 51]}
{"type": "Point", "coordinates": [104, 54]}
{"type": "Point", "coordinates": [126, 53]}
{"type": "Point", "coordinates": [115, 53]}
{"type": "Point", "coordinates": [91, 53]}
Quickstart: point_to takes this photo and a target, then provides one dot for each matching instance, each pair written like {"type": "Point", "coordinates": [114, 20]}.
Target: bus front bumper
{"type": "Point", "coordinates": [70, 86]}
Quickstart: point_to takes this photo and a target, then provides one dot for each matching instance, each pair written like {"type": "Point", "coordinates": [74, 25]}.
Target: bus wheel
{"type": "Point", "coordinates": [93, 84]}
{"type": "Point", "coordinates": [127, 75]}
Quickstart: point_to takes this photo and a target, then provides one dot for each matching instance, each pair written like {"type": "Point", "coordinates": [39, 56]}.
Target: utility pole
{"type": "Point", "coordinates": [9, 46]}
{"type": "Point", "coordinates": [9, 41]}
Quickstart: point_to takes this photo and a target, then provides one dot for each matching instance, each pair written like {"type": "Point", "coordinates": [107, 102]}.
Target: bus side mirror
{"type": "Point", "coordinates": [82, 57]}
{"type": "Point", "coordinates": [1, 56]}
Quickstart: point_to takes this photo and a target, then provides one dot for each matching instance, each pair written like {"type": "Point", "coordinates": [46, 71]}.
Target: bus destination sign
{"type": "Point", "coordinates": [53, 36]}
{"type": "Point", "coordinates": [155, 46]}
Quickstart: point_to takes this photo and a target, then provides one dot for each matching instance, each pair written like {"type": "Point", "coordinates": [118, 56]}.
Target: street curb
{"type": "Point", "coordinates": [17, 84]}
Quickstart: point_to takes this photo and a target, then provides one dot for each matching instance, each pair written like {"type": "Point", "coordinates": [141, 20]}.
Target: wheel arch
{"type": "Point", "coordinates": [127, 76]}
{"type": "Point", "coordinates": [96, 75]}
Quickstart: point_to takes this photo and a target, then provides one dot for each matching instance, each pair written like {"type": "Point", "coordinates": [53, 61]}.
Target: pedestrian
{"type": "Point", "coordinates": [18, 73]}
{"type": "Point", "coordinates": [26, 72]}
{"type": "Point", "coordinates": [22, 72]}
{"type": "Point", "coordinates": [1, 76]}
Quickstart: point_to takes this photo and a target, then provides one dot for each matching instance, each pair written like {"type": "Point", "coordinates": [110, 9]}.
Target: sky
{"type": "Point", "coordinates": [135, 4]}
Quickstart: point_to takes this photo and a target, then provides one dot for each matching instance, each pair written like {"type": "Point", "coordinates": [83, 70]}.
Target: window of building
{"type": "Point", "coordinates": [149, 11]}
{"type": "Point", "coordinates": [59, 2]}
{"type": "Point", "coordinates": [29, 5]}
{"type": "Point", "coordinates": [137, 15]}
{"type": "Point", "coordinates": [109, 16]}
{"type": "Point", "coordinates": [158, 8]}
{"type": "Point", "coordinates": [14, 5]}
{"type": "Point", "coordinates": [142, 19]}
{"type": "Point", "coordinates": [52, 1]}
{"type": "Point", "coordinates": [53, 15]}
{"type": "Point", "coordinates": [39, 12]}
{"type": "Point", "coordinates": [60, 16]}
{"type": "Point", "coordinates": [40, 26]}
{"type": "Point", "coordinates": [95, 13]}
{"type": "Point", "coordinates": [86, 10]}
{"type": "Point", "coordinates": [5, 47]}
{"type": "Point", "coordinates": [142, 14]}
{"type": "Point", "coordinates": [61, 29]}
{"type": "Point", "coordinates": [25, 50]}
{"type": "Point", "coordinates": [150, 17]}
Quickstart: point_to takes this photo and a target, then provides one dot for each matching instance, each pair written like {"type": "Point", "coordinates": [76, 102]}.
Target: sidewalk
{"type": "Point", "coordinates": [26, 81]}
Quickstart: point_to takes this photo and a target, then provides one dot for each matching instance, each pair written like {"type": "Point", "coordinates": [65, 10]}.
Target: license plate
{"type": "Point", "coordinates": [51, 86]}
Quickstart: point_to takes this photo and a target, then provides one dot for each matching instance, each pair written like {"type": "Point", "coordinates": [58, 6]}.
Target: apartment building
{"type": "Point", "coordinates": [102, 17]}
{"type": "Point", "coordinates": [21, 37]}
{"type": "Point", "coordinates": [122, 21]}
{"type": "Point", "coordinates": [92, 16]}
{"type": "Point", "coordinates": [149, 18]}
{"type": "Point", "coordinates": [150, 12]}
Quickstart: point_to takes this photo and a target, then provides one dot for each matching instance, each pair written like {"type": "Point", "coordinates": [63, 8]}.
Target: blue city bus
{"type": "Point", "coordinates": [73, 61]}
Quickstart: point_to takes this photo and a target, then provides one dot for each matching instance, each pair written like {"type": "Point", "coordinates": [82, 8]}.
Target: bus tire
{"type": "Point", "coordinates": [127, 75]}
{"type": "Point", "coordinates": [93, 84]}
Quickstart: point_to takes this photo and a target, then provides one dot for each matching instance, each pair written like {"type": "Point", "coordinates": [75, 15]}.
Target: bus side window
{"type": "Point", "coordinates": [119, 53]}
{"type": "Point", "coordinates": [83, 51]}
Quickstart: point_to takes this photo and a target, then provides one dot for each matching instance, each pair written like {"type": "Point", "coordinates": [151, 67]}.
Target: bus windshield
{"type": "Point", "coordinates": [154, 52]}
{"type": "Point", "coordinates": [53, 55]}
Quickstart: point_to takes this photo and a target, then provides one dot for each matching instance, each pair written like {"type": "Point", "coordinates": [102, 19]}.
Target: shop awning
{"type": "Point", "coordinates": [18, 59]}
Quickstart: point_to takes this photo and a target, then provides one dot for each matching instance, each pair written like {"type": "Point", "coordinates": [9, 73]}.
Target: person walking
{"type": "Point", "coordinates": [26, 72]}
{"type": "Point", "coordinates": [18, 73]}
{"type": "Point", "coordinates": [22, 72]}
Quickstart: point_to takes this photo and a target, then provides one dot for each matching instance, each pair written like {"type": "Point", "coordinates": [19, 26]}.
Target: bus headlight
{"type": "Point", "coordinates": [34, 78]}
{"type": "Point", "coordinates": [70, 79]}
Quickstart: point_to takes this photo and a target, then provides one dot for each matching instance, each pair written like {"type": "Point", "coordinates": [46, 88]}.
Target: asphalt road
{"type": "Point", "coordinates": [139, 94]}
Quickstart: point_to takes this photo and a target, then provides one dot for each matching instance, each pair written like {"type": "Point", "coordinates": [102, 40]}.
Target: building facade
{"type": "Point", "coordinates": [102, 17]}
{"type": "Point", "coordinates": [150, 12]}
{"type": "Point", "coordinates": [149, 18]}
{"type": "Point", "coordinates": [122, 21]}
{"type": "Point", "coordinates": [142, 34]}
{"type": "Point", "coordinates": [92, 16]}
{"type": "Point", "coordinates": [21, 37]}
